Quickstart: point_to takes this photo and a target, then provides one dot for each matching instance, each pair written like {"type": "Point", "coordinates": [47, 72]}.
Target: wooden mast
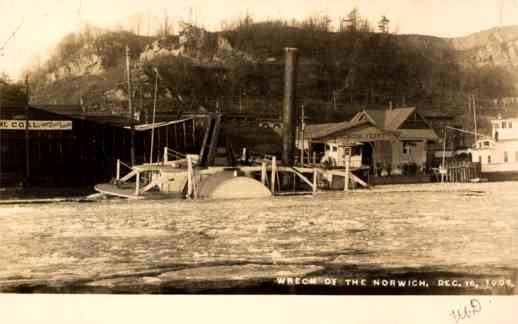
{"type": "Point", "coordinates": [130, 106]}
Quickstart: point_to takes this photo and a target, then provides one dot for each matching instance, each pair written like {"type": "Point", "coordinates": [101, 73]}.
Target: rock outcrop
{"type": "Point", "coordinates": [494, 47]}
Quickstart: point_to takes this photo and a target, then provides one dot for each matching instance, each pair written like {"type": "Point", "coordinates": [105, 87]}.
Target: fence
{"type": "Point", "coordinates": [462, 171]}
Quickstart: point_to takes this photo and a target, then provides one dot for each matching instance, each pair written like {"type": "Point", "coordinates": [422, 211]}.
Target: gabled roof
{"type": "Point", "coordinates": [396, 117]}
{"type": "Point", "coordinates": [392, 119]}
{"type": "Point", "coordinates": [386, 119]}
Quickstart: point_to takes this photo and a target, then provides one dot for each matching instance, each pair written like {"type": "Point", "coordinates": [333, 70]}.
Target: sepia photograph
{"type": "Point", "coordinates": [271, 148]}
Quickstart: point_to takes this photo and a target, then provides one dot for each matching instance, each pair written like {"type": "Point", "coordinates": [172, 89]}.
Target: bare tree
{"type": "Point", "coordinates": [166, 27]}
{"type": "Point", "coordinates": [383, 24]}
{"type": "Point", "coordinates": [353, 20]}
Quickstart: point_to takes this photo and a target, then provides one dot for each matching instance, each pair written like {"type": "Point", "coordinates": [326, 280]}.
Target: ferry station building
{"type": "Point", "coordinates": [390, 142]}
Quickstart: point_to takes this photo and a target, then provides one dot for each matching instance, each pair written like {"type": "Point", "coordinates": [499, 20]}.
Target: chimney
{"type": "Point", "coordinates": [289, 113]}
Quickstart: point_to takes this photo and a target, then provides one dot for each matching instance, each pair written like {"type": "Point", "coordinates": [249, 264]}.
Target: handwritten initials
{"type": "Point", "coordinates": [467, 311]}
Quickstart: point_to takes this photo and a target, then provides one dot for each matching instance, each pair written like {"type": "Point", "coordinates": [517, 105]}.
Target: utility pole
{"type": "Point", "coordinates": [153, 118]}
{"type": "Point", "coordinates": [131, 112]}
{"type": "Point", "coordinates": [443, 164]}
{"type": "Point", "coordinates": [475, 117]}
{"type": "Point", "coordinates": [27, 120]}
{"type": "Point", "coordinates": [302, 127]}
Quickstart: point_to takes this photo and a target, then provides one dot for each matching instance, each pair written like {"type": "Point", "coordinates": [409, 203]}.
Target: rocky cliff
{"type": "Point", "coordinates": [494, 47]}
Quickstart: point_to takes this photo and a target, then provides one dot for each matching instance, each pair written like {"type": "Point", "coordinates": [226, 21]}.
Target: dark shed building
{"type": "Point", "coordinates": [60, 150]}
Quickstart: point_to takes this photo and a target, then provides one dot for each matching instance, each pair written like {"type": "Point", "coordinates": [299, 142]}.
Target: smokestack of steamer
{"type": "Point", "coordinates": [289, 113]}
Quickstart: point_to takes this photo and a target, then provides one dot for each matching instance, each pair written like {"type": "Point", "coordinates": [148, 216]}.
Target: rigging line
{"type": "Point", "coordinates": [11, 37]}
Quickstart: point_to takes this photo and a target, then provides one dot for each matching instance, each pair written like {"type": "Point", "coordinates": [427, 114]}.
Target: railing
{"type": "Point", "coordinates": [118, 173]}
{"type": "Point", "coordinates": [176, 155]}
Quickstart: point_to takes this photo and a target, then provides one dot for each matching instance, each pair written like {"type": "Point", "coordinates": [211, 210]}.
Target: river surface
{"type": "Point", "coordinates": [425, 231]}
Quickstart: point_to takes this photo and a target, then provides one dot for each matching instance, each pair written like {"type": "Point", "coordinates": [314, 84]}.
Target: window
{"type": "Point", "coordinates": [480, 158]}
{"type": "Point", "coordinates": [504, 124]}
{"type": "Point", "coordinates": [506, 157]}
{"type": "Point", "coordinates": [334, 148]}
{"type": "Point", "coordinates": [489, 159]}
{"type": "Point", "coordinates": [496, 125]}
{"type": "Point", "coordinates": [406, 148]}
{"type": "Point", "coordinates": [510, 124]}
{"type": "Point", "coordinates": [328, 148]}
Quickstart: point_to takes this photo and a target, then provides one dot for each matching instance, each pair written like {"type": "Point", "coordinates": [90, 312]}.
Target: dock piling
{"type": "Point", "coordinates": [137, 183]}
{"type": "Point", "coordinates": [263, 173]}
{"type": "Point", "coordinates": [274, 174]}
{"type": "Point", "coordinates": [118, 174]}
{"type": "Point", "coordinates": [314, 180]}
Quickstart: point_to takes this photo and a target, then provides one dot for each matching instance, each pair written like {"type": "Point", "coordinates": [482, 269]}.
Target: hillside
{"type": "Point", "coordinates": [242, 69]}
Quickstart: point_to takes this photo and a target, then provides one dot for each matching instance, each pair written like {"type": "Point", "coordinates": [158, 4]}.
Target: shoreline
{"type": "Point", "coordinates": [58, 195]}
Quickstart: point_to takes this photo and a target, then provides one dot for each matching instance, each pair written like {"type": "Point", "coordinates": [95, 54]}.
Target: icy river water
{"type": "Point", "coordinates": [455, 238]}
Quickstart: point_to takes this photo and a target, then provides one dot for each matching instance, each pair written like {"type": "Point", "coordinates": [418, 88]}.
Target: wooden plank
{"type": "Point", "coordinates": [359, 181]}
{"type": "Point", "coordinates": [300, 175]}
{"type": "Point", "coordinates": [112, 190]}
{"type": "Point", "coordinates": [293, 193]}
{"type": "Point", "coordinates": [352, 176]}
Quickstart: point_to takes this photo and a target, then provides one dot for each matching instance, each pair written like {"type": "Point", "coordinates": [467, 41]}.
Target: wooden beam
{"type": "Point", "coordinates": [274, 174]}
{"type": "Point", "coordinates": [189, 177]}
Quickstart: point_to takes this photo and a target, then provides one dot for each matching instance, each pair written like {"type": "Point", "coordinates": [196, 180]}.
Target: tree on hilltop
{"type": "Point", "coordinates": [383, 24]}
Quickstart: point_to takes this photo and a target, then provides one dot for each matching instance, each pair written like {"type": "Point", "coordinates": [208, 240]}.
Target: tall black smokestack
{"type": "Point", "coordinates": [289, 112]}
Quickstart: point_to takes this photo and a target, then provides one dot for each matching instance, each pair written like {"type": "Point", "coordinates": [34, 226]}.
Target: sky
{"type": "Point", "coordinates": [29, 29]}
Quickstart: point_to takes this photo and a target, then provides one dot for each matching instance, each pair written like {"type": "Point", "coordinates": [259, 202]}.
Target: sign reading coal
{"type": "Point", "coordinates": [36, 124]}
